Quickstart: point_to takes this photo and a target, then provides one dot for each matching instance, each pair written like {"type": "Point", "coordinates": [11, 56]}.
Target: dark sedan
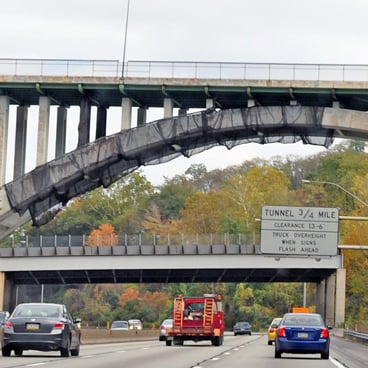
{"type": "Point", "coordinates": [43, 327]}
{"type": "Point", "coordinates": [242, 328]}
{"type": "Point", "coordinates": [302, 333]}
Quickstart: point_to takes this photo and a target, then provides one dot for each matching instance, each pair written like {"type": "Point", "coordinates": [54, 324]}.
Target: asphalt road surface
{"type": "Point", "coordinates": [237, 351]}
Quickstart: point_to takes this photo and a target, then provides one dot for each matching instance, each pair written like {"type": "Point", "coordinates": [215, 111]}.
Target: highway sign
{"type": "Point", "coordinates": [307, 231]}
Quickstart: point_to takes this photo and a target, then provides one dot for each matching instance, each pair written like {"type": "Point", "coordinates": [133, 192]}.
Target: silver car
{"type": "Point", "coordinates": [166, 323]}
{"type": "Point", "coordinates": [43, 327]}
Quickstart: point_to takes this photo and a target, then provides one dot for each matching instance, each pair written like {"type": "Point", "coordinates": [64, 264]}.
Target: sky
{"type": "Point", "coordinates": [264, 31]}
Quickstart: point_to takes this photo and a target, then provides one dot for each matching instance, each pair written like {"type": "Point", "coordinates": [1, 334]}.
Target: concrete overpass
{"type": "Point", "coordinates": [241, 102]}
{"type": "Point", "coordinates": [208, 263]}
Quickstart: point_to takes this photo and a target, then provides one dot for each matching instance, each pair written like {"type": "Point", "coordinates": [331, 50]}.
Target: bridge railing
{"type": "Point", "coordinates": [125, 244]}
{"type": "Point", "coordinates": [184, 69]}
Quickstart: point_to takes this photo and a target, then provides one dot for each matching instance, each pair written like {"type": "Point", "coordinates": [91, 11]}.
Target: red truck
{"type": "Point", "coordinates": [197, 319]}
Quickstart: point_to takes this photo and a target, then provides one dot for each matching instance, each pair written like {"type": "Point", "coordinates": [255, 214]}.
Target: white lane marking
{"type": "Point", "coordinates": [336, 363]}
{"type": "Point", "coordinates": [35, 364]}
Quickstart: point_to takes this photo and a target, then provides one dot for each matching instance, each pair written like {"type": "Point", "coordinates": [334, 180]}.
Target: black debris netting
{"type": "Point", "coordinates": [47, 188]}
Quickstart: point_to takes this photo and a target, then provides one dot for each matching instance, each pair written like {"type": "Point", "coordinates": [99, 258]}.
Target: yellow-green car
{"type": "Point", "coordinates": [272, 330]}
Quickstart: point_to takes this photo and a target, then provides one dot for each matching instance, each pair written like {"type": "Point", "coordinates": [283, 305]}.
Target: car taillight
{"type": "Point", "coordinates": [59, 326]}
{"type": "Point", "coordinates": [272, 329]}
{"type": "Point", "coordinates": [281, 332]}
{"type": "Point", "coordinates": [8, 324]}
{"type": "Point", "coordinates": [324, 333]}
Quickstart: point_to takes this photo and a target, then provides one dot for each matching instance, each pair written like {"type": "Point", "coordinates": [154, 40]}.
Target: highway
{"type": "Point", "coordinates": [236, 352]}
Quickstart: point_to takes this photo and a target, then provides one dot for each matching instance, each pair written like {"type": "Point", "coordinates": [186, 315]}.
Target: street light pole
{"type": "Point", "coordinates": [338, 186]}
{"type": "Point", "coordinates": [125, 40]}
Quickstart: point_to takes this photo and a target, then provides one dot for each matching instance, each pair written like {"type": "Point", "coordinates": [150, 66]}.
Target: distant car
{"type": "Point", "coordinates": [242, 328]}
{"type": "Point", "coordinates": [4, 315]}
{"type": "Point", "coordinates": [302, 333]}
{"type": "Point", "coordinates": [166, 323]}
{"type": "Point", "coordinates": [271, 332]}
{"type": "Point", "coordinates": [119, 326]}
{"type": "Point", "coordinates": [43, 327]}
{"type": "Point", "coordinates": [135, 324]}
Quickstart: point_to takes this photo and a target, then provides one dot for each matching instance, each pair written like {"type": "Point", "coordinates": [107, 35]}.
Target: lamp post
{"type": "Point", "coordinates": [338, 186]}
{"type": "Point", "coordinates": [125, 40]}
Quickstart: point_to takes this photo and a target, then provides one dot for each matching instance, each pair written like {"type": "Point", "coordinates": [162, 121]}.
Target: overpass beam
{"type": "Point", "coordinates": [61, 131]}
{"type": "Point", "coordinates": [44, 103]}
{"type": "Point", "coordinates": [101, 122]}
{"type": "Point", "coordinates": [168, 107]}
{"type": "Point", "coordinates": [84, 121]}
{"type": "Point", "coordinates": [4, 127]}
{"type": "Point", "coordinates": [126, 113]}
{"type": "Point", "coordinates": [340, 297]}
{"type": "Point", "coordinates": [20, 141]}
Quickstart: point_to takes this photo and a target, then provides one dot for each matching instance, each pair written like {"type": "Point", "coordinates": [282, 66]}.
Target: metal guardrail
{"type": "Point", "coordinates": [184, 69]}
{"type": "Point", "coordinates": [356, 335]}
{"type": "Point", "coordinates": [42, 241]}
{"type": "Point", "coordinates": [130, 250]}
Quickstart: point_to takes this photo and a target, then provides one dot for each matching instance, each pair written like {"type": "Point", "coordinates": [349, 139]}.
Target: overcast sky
{"type": "Point", "coordinates": [287, 31]}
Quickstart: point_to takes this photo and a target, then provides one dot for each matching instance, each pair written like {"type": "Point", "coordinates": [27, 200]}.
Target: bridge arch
{"type": "Point", "coordinates": [39, 194]}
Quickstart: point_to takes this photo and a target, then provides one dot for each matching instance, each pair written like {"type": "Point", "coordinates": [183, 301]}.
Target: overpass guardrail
{"type": "Point", "coordinates": [183, 69]}
{"type": "Point", "coordinates": [125, 244]}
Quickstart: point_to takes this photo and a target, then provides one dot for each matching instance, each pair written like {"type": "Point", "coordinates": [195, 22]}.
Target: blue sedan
{"type": "Point", "coordinates": [302, 333]}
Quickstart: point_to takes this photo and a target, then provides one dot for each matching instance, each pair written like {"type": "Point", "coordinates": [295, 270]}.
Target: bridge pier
{"type": "Point", "coordinates": [331, 298]}
{"type": "Point", "coordinates": [84, 126]}
{"type": "Point", "coordinates": [60, 145]}
{"type": "Point", "coordinates": [126, 113]}
{"type": "Point", "coordinates": [20, 141]}
{"type": "Point", "coordinates": [4, 127]}
{"type": "Point", "coordinates": [43, 129]}
{"type": "Point", "coordinates": [101, 122]}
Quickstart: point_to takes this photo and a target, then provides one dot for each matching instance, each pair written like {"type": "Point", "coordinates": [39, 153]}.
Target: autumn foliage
{"type": "Point", "coordinates": [105, 235]}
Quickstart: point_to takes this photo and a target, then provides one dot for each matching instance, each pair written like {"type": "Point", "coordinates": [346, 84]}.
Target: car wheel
{"type": "Point", "coordinates": [235, 334]}
{"type": "Point", "coordinates": [168, 342]}
{"type": "Point", "coordinates": [250, 333]}
{"type": "Point", "coordinates": [325, 355]}
{"type": "Point", "coordinates": [6, 352]}
{"type": "Point", "coordinates": [64, 352]}
{"type": "Point", "coordinates": [269, 342]}
{"type": "Point", "coordinates": [277, 353]}
{"type": "Point", "coordinates": [74, 352]}
{"type": "Point", "coordinates": [18, 351]}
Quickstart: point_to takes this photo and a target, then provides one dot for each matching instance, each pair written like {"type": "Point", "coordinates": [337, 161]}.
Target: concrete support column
{"type": "Point", "coordinates": [141, 116]}
{"type": "Point", "coordinates": [251, 102]}
{"type": "Point", "coordinates": [210, 103]}
{"type": "Point", "coordinates": [4, 127]}
{"type": "Point", "coordinates": [330, 300]}
{"type": "Point", "coordinates": [101, 122]}
{"type": "Point", "coordinates": [20, 141]}
{"type": "Point", "coordinates": [126, 113]}
{"type": "Point", "coordinates": [168, 108]}
{"type": "Point", "coordinates": [183, 112]}
{"type": "Point", "coordinates": [320, 304]}
{"type": "Point", "coordinates": [43, 129]}
{"type": "Point", "coordinates": [84, 121]}
{"type": "Point", "coordinates": [340, 297]}
{"type": "Point", "coordinates": [61, 131]}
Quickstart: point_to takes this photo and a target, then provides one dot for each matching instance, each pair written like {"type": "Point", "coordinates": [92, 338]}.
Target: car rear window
{"type": "Point", "coordinates": [303, 320]}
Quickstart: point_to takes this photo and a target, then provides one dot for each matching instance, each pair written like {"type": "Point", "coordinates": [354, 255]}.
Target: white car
{"type": "Point", "coordinates": [135, 324]}
{"type": "Point", "coordinates": [119, 326]}
{"type": "Point", "coordinates": [166, 323]}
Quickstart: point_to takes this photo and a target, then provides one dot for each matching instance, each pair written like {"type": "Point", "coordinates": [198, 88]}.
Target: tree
{"type": "Point", "coordinates": [103, 236]}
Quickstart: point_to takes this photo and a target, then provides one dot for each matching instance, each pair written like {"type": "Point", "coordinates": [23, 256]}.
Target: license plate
{"type": "Point", "coordinates": [32, 326]}
{"type": "Point", "coordinates": [302, 335]}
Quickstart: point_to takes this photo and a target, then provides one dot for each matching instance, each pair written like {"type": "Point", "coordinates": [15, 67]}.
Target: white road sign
{"type": "Point", "coordinates": [308, 231]}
